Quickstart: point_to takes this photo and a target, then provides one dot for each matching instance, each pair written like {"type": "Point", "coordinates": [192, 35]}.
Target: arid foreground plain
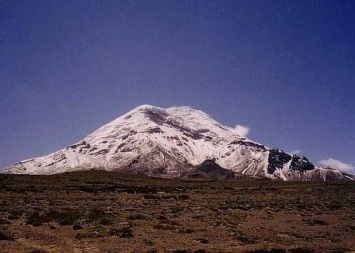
{"type": "Point", "coordinates": [97, 211]}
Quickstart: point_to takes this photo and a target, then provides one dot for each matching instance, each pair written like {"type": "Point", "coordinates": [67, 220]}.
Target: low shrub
{"type": "Point", "coordinates": [99, 215]}
{"type": "Point", "coordinates": [6, 235]}
{"type": "Point", "coordinates": [64, 218]}
{"type": "Point", "coordinates": [125, 232]}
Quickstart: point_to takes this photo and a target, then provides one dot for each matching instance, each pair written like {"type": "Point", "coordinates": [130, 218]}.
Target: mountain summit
{"type": "Point", "coordinates": [170, 143]}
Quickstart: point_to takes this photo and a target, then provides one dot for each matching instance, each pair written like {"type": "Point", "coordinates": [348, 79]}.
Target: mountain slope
{"type": "Point", "coordinates": [168, 143]}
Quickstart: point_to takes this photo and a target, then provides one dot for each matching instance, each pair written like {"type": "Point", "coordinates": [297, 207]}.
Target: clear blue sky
{"type": "Point", "coordinates": [285, 68]}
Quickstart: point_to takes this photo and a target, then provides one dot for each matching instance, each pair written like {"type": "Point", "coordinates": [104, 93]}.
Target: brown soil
{"type": "Point", "coordinates": [99, 211]}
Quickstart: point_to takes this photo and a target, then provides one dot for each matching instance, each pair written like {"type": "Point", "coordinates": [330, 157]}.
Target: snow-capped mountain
{"type": "Point", "coordinates": [169, 143]}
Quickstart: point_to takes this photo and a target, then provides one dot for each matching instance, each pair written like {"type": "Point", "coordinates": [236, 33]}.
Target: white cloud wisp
{"type": "Point", "coordinates": [295, 152]}
{"type": "Point", "coordinates": [242, 131]}
{"type": "Point", "coordinates": [339, 165]}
